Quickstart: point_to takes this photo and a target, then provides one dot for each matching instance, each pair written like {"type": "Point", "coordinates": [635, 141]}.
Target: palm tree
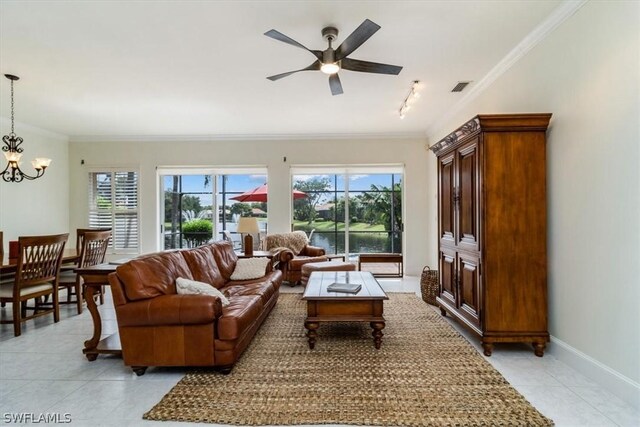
{"type": "Point", "coordinates": [384, 206]}
{"type": "Point", "coordinates": [305, 208]}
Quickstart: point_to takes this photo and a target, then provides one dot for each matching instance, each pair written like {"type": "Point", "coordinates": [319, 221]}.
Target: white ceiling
{"type": "Point", "coordinates": [198, 68]}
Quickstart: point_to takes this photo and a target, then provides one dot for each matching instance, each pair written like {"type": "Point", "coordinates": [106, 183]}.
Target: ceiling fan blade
{"type": "Point", "coordinates": [355, 39]}
{"type": "Point", "coordinates": [335, 85]}
{"type": "Point", "coordinates": [277, 35]}
{"type": "Point", "coordinates": [369, 67]}
{"type": "Point", "coordinates": [314, 66]}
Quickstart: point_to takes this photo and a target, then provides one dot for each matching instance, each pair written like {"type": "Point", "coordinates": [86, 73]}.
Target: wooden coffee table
{"type": "Point", "coordinates": [323, 306]}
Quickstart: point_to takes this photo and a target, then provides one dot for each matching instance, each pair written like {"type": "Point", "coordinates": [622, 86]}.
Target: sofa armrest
{"type": "Point", "coordinates": [283, 256]}
{"type": "Point", "coordinates": [313, 251]}
{"type": "Point", "coordinates": [170, 310]}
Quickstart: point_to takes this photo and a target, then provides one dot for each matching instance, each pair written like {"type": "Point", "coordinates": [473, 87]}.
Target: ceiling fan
{"type": "Point", "coordinates": [330, 61]}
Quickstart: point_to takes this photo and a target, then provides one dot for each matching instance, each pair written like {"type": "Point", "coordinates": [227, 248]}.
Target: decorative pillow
{"type": "Point", "coordinates": [191, 287]}
{"type": "Point", "coordinates": [250, 268]}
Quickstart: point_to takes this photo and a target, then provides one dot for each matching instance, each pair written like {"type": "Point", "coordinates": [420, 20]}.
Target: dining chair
{"type": "Point", "coordinates": [36, 276]}
{"type": "Point", "coordinates": [227, 236]}
{"type": "Point", "coordinates": [80, 232]}
{"type": "Point", "coordinates": [262, 237]}
{"type": "Point", "coordinates": [3, 277]}
{"type": "Point", "coordinates": [92, 252]}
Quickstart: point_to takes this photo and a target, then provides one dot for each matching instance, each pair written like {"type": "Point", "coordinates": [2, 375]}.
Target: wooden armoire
{"type": "Point", "coordinates": [493, 228]}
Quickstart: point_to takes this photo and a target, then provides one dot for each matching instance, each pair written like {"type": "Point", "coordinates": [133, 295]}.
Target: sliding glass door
{"type": "Point", "coordinates": [320, 210]}
{"type": "Point", "coordinates": [350, 212]}
{"type": "Point", "coordinates": [188, 210]}
{"type": "Point", "coordinates": [375, 213]}
{"type": "Point", "coordinates": [200, 207]}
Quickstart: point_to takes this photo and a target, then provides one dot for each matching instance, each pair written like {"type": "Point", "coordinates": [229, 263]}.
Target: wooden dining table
{"type": "Point", "coordinates": [94, 278]}
{"type": "Point", "coordinates": [9, 265]}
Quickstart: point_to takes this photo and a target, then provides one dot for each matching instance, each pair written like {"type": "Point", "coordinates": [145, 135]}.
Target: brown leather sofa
{"type": "Point", "coordinates": [292, 251]}
{"type": "Point", "coordinates": [158, 327]}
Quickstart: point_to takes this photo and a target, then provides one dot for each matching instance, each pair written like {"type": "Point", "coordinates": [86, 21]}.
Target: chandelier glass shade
{"type": "Point", "coordinates": [13, 152]}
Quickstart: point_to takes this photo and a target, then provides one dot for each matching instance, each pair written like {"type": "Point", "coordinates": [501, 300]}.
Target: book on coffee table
{"type": "Point", "coordinates": [349, 288]}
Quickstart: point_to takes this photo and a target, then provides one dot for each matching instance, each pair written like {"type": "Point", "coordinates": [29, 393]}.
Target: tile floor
{"type": "Point", "coordinates": [44, 371]}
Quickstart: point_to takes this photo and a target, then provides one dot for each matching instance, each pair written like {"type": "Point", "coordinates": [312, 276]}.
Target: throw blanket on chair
{"type": "Point", "coordinates": [296, 241]}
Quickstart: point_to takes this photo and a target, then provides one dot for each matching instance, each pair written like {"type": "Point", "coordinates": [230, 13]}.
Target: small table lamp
{"type": "Point", "coordinates": [248, 226]}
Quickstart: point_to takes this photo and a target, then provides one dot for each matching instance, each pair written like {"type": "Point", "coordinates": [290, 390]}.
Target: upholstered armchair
{"type": "Point", "coordinates": [292, 251]}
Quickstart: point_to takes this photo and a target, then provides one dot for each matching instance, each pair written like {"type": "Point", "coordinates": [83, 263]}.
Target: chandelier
{"type": "Point", "coordinates": [13, 152]}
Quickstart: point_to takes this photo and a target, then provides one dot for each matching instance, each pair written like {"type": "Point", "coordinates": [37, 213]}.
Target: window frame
{"type": "Point", "coordinates": [112, 250]}
{"type": "Point", "coordinates": [214, 172]}
{"type": "Point", "coordinates": [345, 171]}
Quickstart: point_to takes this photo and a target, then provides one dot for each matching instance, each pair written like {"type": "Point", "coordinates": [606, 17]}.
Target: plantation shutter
{"type": "Point", "coordinates": [113, 203]}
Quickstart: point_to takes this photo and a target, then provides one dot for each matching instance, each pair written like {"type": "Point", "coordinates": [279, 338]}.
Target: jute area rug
{"type": "Point", "coordinates": [425, 374]}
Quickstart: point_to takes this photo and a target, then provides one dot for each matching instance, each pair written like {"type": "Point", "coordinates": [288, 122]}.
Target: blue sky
{"type": "Point", "coordinates": [242, 183]}
{"type": "Point", "coordinates": [195, 183]}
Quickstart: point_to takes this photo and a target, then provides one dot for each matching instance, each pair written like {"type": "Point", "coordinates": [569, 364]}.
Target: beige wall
{"type": "Point", "coordinates": [586, 74]}
{"type": "Point", "coordinates": [40, 206]}
{"type": "Point", "coordinates": [146, 156]}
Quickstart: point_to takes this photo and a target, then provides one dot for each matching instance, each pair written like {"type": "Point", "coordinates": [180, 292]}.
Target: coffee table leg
{"type": "Point", "coordinates": [311, 333]}
{"type": "Point", "coordinates": [377, 333]}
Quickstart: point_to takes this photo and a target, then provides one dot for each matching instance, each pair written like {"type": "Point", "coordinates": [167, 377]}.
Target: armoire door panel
{"type": "Point", "coordinates": [448, 288]}
{"type": "Point", "coordinates": [468, 195]}
{"type": "Point", "coordinates": [469, 286]}
{"type": "Point", "coordinates": [447, 206]}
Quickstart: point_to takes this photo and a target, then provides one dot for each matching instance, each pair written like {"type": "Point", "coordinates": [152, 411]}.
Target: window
{"type": "Point", "coordinates": [202, 204]}
{"type": "Point", "coordinates": [350, 210]}
{"type": "Point", "coordinates": [113, 203]}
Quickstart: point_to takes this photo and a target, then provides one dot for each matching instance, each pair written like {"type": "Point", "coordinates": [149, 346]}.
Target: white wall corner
{"type": "Point", "coordinates": [246, 137]}
{"type": "Point", "coordinates": [19, 126]}
{"type": "Point", "coordinates": [554, 20]}
{"type": "Point", "coordinates": [623, 387]}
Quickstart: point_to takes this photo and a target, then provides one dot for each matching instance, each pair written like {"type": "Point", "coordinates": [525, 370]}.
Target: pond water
{"type": "Point", "coordinates": [359, 242]}
{"type": "Point", "coordinates": [333, 243]}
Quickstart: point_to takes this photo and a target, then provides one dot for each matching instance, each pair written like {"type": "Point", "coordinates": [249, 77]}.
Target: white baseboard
{"type": "Point", "coordinates": [613, 381]}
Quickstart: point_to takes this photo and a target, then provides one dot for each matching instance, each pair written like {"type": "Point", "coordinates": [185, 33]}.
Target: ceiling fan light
{"type": "Point", "coordinates": [330, 68]}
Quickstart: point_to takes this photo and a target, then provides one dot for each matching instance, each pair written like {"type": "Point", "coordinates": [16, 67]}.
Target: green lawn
{"type": "Point", "coordinates": [330, 226]}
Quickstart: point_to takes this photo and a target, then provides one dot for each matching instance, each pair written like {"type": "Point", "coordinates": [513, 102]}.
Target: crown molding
{"type": "Point", "coordinates": [20, 126]}
{"type": "Point", "coordinates": [564, 11]}
{"type": "Point", "coordinates": [245, 137]}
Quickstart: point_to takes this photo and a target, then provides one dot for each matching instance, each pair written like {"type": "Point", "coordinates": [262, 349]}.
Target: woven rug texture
{"type": "Point", "coordinates": [425, 374]}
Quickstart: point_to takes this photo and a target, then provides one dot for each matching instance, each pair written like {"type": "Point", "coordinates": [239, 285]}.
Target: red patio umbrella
{"type": "Point", "coordinates": [259, 194]}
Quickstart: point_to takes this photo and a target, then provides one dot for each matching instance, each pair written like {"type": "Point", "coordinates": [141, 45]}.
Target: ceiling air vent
{"type": "Point", "coordinates": [460, 86]}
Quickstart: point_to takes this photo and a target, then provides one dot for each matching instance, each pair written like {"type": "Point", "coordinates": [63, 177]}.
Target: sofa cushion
{"type": "Point", "coordinates": [153, 275]}
{"type": "Point", "coordinates": [264, 289]}
{"type": "Point", "coordinates": [296, 241]}
{"type": "Point", "coordinates": [203, 266]}
{"type": "Point", "coordinates": [250, 268]}
{"type": "Point", "coordinates": [170, 310]}
{"type": "Point", "coordinates": [225, 257]}
{"type": "Point", "coordinates": [238, 316]}
{"type": "Point", "coordinates": [193, 287]}
{"type": "Point", "coordinates": [274, 276]}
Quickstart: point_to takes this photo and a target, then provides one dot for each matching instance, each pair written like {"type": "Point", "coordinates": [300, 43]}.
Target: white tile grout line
{"type": "Point", "coordinates": [149, 382]}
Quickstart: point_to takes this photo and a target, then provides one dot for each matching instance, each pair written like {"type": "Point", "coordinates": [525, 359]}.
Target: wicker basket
{"type": "Point", "coordinates": [429, 285]}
